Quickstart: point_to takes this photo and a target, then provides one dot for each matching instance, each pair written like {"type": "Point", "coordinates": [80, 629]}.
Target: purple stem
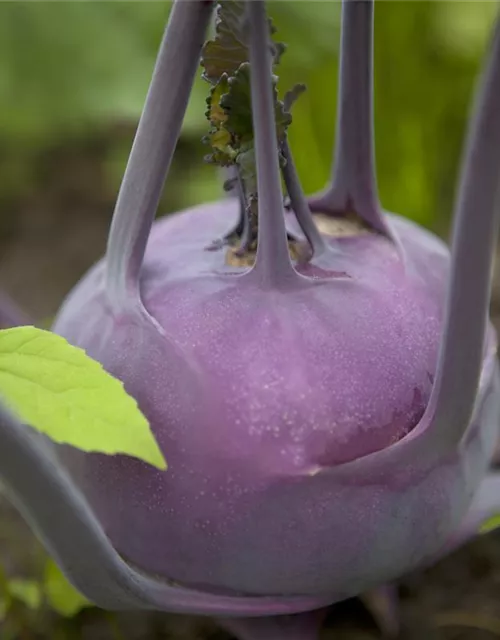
{"type": "Point", "coordinates": [477, 214]}
{"type": "Point", "coordinates": [300, 205]}
{"type": "Point", "coordinates": [58, 513]}
{"type": "Point", "coordinates": [242, 214]}
{"type": "Point", "coordinates": [354, 184]}
{"type": "Point", "coordinates": [303, 626]}
{"type": "Point", "coordinates": [153, 149]}
{"type": "Point", "coordinates": [230, 174]}
{"type": "Point", "coordinates": [273, 265]}
{"type": "Point", "coordinates": [10, 314]}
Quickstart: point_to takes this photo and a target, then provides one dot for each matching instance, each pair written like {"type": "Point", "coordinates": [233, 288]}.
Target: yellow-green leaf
{"type": "Point", "coordinates": [215, 113]}
{"type": "Point", "coordinates": [220, 139]}
{"type": "Point", "coordinates": [60, 594]}
{"type": "Point", "coordinates": [491, 524]}
{"type": "Point", "coordinates": [26, 591]}
{"type": "Point", "coordinates": [57, 389]}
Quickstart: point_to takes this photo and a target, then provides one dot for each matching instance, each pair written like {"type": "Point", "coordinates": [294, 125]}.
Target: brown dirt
{"type": "Point", "coordinates": [54, 234]}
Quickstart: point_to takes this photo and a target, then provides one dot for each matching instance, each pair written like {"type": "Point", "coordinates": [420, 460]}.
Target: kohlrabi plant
{"type": "Point", "coordinates": [320, 374]}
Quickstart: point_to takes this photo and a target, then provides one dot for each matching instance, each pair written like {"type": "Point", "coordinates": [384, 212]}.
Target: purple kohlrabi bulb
{"type": "Point", "coordinates": [327, 421]}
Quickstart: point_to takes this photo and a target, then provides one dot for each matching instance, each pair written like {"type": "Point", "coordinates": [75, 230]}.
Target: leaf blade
{"type": "Point", "coordinates": [26, 591]}
{"type": "Point", "coordinates": [60, 391]}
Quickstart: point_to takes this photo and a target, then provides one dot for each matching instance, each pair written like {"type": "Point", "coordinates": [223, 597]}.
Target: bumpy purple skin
{"type": "Point", "coordinates": [286, 416]}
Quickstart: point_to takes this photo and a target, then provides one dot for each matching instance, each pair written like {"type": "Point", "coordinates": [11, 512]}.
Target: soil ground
{"type": "Point", "coordinates": [48, 240]}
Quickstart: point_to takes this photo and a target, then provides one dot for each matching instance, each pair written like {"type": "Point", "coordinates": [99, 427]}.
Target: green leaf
{"type": "Point", "coordinates": [215, 113]}
{"type": "Point", "coordinates": [26, 591]}
{"type": "Point", "coordinates": [491, 524]}
{"type": "Point", "coordinates": [57, 389]}
{"type": "Point", "coordinates": [60, 594]}
{"type": "Point", "coordinates": [236, 103]}
{"type": "Point", "coordinates": [227, 68]}
{"type": "Point", "coordinates": [229, 49]}
{"type": "Point", "coordinates": [220, 140]}
{"type": "Point", "coordinates": [247, 168]}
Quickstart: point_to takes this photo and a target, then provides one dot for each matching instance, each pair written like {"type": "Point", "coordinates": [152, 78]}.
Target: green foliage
{"type": "Point", "coordinates": [67, 69]}
{"type": "Point", "coordinates": [60, 594]}
{"type": "Point", "coordinates": [58, 390]}
{"type": "Point", "coordinates": [26, 591]}
{"type": "Point", "coordinates": [491, 524]}
{"type": "Point", "coordinates": [229, 49]}
{"type": "Point", "coordinates": [18, 595]}
{"type": "Point", "coordinates": [236, 103]}
{"type": "Point", "coordinates": [226, 62]}
{"type": "Point", "coordinates": [24, 602]}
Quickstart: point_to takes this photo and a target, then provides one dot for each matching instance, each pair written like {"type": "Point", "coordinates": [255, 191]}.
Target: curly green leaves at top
{"type": "Point", "coordinates": [226, 64]}
{"type": "Point", "coordinates": [61, 392]}
{"type": "Point", "coordinates": [230, 47]}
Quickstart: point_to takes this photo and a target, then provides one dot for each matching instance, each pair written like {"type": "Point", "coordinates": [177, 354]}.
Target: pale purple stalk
{"type": "Point", "coordinates": [476, 219]}
{"type": "Point", "coordinates": [354, 187]}
{"type": "Point", "coordinates": [232, 176]}
{"type": "Point", "coordinates": [300, 204]}
{"type": "Point", "coordinates": [273, 266]}
{"type": "Point", "coordinates": [153, 149]}
{"type": "Point", "coordinates": [243, 221]}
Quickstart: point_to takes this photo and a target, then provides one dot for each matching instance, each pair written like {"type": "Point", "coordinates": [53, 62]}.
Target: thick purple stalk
{"type": "Point", "coordinates": [354, 184]}
{"type": "Point", "coordinates": [10, 314]}
{"type": "Point", "coordinates": [153, 149]}
{"type": "Point", "coordinates": [230, 174]}
{"type": "Point", "coordinates": [473, 247]}
{"type": "Point", "coordinates": [239, 192]}
{"type": "Point", "coordinates": [273, 265]}
{"type": "Point", "coordinates": [300, 205]}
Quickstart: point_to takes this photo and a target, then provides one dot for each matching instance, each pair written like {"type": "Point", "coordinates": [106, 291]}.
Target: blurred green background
{"type": "Point", "coordinates": [74, 71]}
{"type": "Point", "coordinates": [74, 75]}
